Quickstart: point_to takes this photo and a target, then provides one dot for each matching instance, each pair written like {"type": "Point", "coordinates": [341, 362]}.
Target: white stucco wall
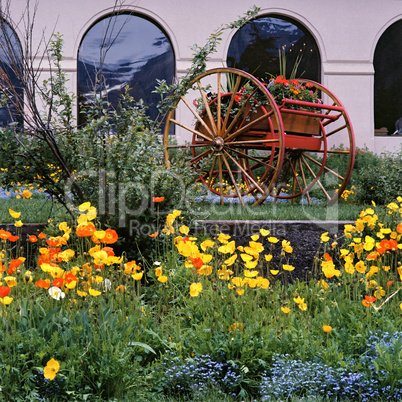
{"type": "Point", "coordinates": [346, 32]}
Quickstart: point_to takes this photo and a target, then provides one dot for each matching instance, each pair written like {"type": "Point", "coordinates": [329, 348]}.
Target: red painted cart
{"type": "Point", "coordinates": [243, 143]}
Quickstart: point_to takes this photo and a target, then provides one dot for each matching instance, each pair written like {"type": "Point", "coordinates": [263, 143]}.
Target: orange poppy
{"type": "Point", "coordinates": [42, 235]}
{"type": "Point", "coordinates": [197, 263]}
{"type": "Point", "coordinates": [69, 277]}
{"type": "Point", "coordinates": [389, 284]}
{"type": "Point", "coordinates": [58, 282]}
{"type": "Point", "coordinates": [33, 239]}
{"type": "Point", "coordinates": [13, 238]}
{"type": "Point", "coordinates": [373, 256]}
{"type": "Point", "coordinates": [14, 264]}
{"type": "Point", "coordinates": [110, 236]}
{"type": "Point", "coordinates": [158, 199]}
{"type": "Point", "coordinates": [387, 245]}
{"type": "Point", "coordinates": [43, 283]}
{"type": "Point", "coordinates": [109, 251]}
{"type": "Point", "coordinates": [370, 299]}
{"type": "Point", "coordinates": [327, 257]}
{"type": "Point", "coordinates": [4, 291]}
{"type": "Point", "coordinates": [52, 242]}
{"type": "Point", "coordinates": [85, 229]}
{"type": "Point", "coordinates": [154, 234]}
{"type": "Point", "coordinates": [4, 234]}
{"type": "Point", "coordinates": [399, 228]}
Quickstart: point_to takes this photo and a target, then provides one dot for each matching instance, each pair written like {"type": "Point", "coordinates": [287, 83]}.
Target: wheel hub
{"type": "Point", "coordinates": [217, 144]}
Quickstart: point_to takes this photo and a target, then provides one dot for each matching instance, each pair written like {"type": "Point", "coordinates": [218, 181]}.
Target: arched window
{"type": "Point", "coordinates": [11, 70]}
{"type": "Point", "coordinates": [388, 80]}
{"type": "Point", "coordinates": [255, 48]}
{"type": "Point", "coordinates": [121, 50]}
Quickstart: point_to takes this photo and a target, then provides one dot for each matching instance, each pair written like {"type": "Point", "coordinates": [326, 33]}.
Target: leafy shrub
{"type": "Point", "coordinates": [377, 177]}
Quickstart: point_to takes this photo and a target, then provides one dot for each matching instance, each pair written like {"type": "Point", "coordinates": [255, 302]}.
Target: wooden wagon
{"type": "Point", "coordinates": [243, 143]}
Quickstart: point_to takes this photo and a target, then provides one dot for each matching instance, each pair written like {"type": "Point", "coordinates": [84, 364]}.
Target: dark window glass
{"type": "Point", "coordinates": [125, 50]}
{"type": "Point", "coordinates": [388, 79]}
{"type": "Point", "coordinates": [11, 70]}
{"type": "Point", "coordinates": [255, 48]}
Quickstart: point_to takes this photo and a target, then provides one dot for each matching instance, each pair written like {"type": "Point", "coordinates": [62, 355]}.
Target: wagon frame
{"type": "Point", "coordinates": [241, 137]}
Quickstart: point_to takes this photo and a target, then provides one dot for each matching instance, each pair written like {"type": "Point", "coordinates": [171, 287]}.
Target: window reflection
{"type": "Point", "coordinates": [124, 50]}
{"type": "Point", "coordinates": [388, 80]}
{"type": "Point", "coordinates": [11, 70]}
{"type": "Point", "coordinates": [255, 48]}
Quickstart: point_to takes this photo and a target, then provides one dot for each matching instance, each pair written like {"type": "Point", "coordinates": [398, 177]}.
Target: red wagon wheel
{"type": "Point", "coordinates": [319, 156]}
{"type": "Point", "coordinates": [229, 127]}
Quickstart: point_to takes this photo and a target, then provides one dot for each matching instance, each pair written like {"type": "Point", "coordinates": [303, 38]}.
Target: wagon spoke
{"type": "Point", "coordinates": [196, 132]}
{"type": "Point", "coordinates": [325, 167]}
{"type": "Point", "coordinates": [250, 178]}
{"type": "Point", "coordinates": [336, 130]}
{"type": "Point", "coordinates": [220, 178]}
{"type": "Point", "coordinates": [250, 125]}
{"type": "Point", "coordinates": [295, 178]}
{"type": "Point", "coordinates": [209, 180]}
{"type": "Point", "coordinates": [240, 111]}
{"type": "Point", "coordinates": [233, 179]}
{"type": "Point", "coordinates": [317, 180]}
{"type": "Point", "coordinates": [304, 180]}
{"type": "Point", "coordinates": [271, 141]}
{"type": "Point", "coordinates": [197, 116]}
{"type": "Point", "coordinates": [200, 156]}
{"type": "Point", "coordinates": [259, 161]}
{"type": "Point", "coordinates": [232, 98]}
{"type": "Point", "coordinates": [207, 108]}
{"type": "Point", "coordinates": [218, 119]}
{"type": "Point", "coordinates": [186, 146]}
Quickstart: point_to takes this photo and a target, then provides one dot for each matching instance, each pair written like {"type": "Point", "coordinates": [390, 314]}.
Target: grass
{"type": "Point", "coordinates": [37, 209]}
{"type": "Point", "coordinates": [281, 211]}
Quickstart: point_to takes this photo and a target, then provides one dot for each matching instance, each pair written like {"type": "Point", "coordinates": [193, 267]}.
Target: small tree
{"type": "Point", "coordinates": [115, 160]}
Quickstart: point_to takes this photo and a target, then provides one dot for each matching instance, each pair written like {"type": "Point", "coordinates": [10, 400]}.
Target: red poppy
{"type": "Point", "coordinates": [4, 291]}
{"type": "Point", "coordinates": [154, 234]}
{"type": "Point", "coordinates": [58, 282]}
{"type": "Point", "coordinates": [110, 236]}
{"type": "Point", "coordinates": [42, 235]}
{"type": "Point", "coordinates": [158, 199]}
{"type": "Point", "coordinates": [13, 238]}
{"type": "Point", "coordinates": [42, 283]}
{"type": "Point", "coordinates": [33, 239]}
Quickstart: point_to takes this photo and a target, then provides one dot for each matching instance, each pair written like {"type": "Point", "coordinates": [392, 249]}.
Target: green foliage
{"type": "Point", "coordinates": [377, 177]}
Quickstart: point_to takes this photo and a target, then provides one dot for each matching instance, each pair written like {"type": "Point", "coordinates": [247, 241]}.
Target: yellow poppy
{"type": "Point", "coordinates": [195, 289]}
{"type": "Point", "coordinates": [14, 214]}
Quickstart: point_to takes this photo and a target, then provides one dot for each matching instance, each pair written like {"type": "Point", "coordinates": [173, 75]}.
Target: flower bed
{"type": "Point", "coordinates": [80, 322]}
